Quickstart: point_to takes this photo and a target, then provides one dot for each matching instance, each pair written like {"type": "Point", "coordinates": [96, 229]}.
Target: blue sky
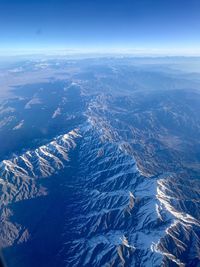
{"type": "Point", "coordinates": [140, 26]}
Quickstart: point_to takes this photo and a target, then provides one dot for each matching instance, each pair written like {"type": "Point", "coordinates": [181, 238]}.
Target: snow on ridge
{"type": "Point", "coordinates": [18, 175]}
{"type": "Point", "coordinates": [33, 101]}
{"type": "Point", "coordinates": [19, 125]}
{"type": "Point", "coordinates": [56, 113]}
{"type": "Point", "coordinates": [160, 206]}
{"type": "Point", "coordinates": [18, 181]}
{"type": "Point", "coordinates": [165, 200]}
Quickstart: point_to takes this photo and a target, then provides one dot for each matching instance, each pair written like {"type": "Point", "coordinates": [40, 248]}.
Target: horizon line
{"type": "Point", "coordinates": [136, 52]}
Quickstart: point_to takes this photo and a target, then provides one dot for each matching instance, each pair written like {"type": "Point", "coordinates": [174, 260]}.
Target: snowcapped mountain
{"type": "Point", "coordinates": [117, 189]}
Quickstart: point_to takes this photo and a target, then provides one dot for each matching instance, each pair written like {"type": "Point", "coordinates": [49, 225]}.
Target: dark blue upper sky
{"type": "Point", "coordinates": [100, 25]}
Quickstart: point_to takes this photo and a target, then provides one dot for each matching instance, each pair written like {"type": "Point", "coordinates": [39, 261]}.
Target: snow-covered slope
{"type": "Point", "coordinates": [119, 218]}
{"type": "Point", "coordinates": [21, 178]}
{"type": "Point", "coordinates": [115, 214]}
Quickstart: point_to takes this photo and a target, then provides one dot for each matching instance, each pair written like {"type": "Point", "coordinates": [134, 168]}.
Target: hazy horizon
{"type": "Point", "coordinates": [136, 27]}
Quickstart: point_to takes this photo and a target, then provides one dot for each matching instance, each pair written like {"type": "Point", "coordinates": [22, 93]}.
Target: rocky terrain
{"type": "Point", "coordinates": [102, 169]}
